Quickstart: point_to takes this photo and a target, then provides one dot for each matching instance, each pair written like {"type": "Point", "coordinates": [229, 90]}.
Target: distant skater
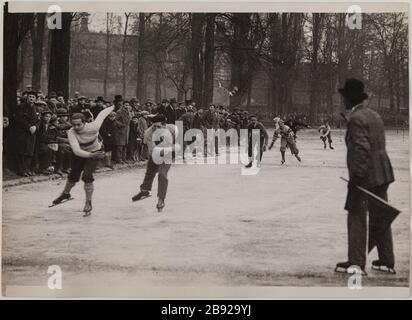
{"type": "Point", "coordinates": [287, 138]}
{"type": "Point", "coordinates": [326, 134]}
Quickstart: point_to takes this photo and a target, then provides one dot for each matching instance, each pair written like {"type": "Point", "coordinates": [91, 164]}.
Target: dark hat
{"type": "Point", "coordinates": [100, 99]}
{"type": "Point", "coordinates": [165, 100]}
{"type": "Point", "coordinates": [60, 94]}
{"type": "Point", "coordinates": [52, 95]}
{"type": "Point", "coordinates": [189, 101]}
{"type": "Point", "coordinates": [353, 90]}
{"type": "Point", "coordinates": [118, 98]}
{"type": "Point", "coordinates": [47, 111]}
{"type": "Point", "coordinates": [31, 93]}
{"type": "Point", "coordinates": [82, 97]}
{"type": "Point", "coordinates": [133, 100]}
{"type": "Point", "coordinates": [173, 100]}
{"type": "Point", "coordinates": [158, 118]}
{"type": "Point", "coordinates": [62, 112]}
{"type": "Point", "coordinates": [135, 117]}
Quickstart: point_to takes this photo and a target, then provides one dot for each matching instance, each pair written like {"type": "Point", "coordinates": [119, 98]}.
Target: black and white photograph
{"type": "Point", "coordinates": [210, 149]}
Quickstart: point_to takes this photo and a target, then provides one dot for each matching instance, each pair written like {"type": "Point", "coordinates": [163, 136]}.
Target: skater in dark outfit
{"type": "Point", "coordinates": [295, 124]}
{"type": "Point", "coordinates": [87, 150]}
{"type": "Point", "coordinates": [163, 147]}
{"type": "Point", "coordinates": [287, 138]}
{"type": "Point", "coordinates": [369, 167]}
{"type": "Point", "coordinates": [256, 133]}
{"type": "Point", "coordinates": [326, 134]}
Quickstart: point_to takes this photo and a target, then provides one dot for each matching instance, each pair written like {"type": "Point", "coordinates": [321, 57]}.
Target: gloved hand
{"type": "Point", "coordinates": [271, 146]}
{"type": "Point", "coordinates": [98, 155]}
{"type": "Point", "coordinates": [32, 129]}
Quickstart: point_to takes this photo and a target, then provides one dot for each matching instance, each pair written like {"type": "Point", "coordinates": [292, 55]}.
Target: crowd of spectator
{"type": "Point", "coordinates": [35, 133]}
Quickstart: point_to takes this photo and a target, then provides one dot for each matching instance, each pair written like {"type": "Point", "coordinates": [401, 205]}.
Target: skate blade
{"type": "Point", "coordinates": [346, 271]}
{"type": "Point", "coordinates": [53, 205]}
{"type": "Point", "coordinates": [142, 198]}
{"type": "Point", "coordinates": [384, 269]}
{"type": "Point", "coordinates": [87, 213]}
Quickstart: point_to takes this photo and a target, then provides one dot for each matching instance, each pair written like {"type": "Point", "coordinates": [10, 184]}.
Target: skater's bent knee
{"type": "Point", "coordinates": [87, 178]}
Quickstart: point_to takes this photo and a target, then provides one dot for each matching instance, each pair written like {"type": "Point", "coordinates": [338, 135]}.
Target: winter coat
{"type": "Point", "coordinates": [367, 160]}
{"type": "Point", "coordinates": [22, 119]}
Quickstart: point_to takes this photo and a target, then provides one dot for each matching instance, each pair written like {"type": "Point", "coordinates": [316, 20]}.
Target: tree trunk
{"type": "Point", "coordinates": [21, 65]}
{"type": "Point", "coordinates": [60, 57]}
{"type": "Point", "coordinates": [241, 62]}
{"type": "Point", "coordinates": [140, 86]}
{"type": "Point", "coordinates": [158, 90]}
{"type": "Point", "coordinates": [16, 26]}
{"type": "Point", "coordinates": [107, 58]}
{"type": "Point", "coordinates": [316, 37]}
{"type": "Point", "coordinates": [197, 21]}
{"type": "Point", "coordinates": [37, 38]}
{"type": "Point", "coordinates": [127, 15]}
{"type": "Point", "coordinates": [209, 59]}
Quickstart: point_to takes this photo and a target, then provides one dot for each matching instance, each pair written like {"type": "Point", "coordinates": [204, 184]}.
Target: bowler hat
{"type": "Point", "coordinates": [62, 112]}
{"type": "Point", "coordinates": [47, 111]}
{"type": "Point", "coordinates": [52, 95]}
{"type": "Point", "coordinates": [118, 98]}
{"type": "Point", "coordinates": [158, 118]}
{"type": "Point", "coordinates": [100, 99]}
{"type": "Point", "coordinates": [353, 90]}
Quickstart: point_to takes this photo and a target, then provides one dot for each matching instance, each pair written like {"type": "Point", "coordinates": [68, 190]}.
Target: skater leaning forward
{"type": "Point", "coordinates": [87, 150]}
{"type": "Point", "coordinates": [369, 167]}
{"type": "Point", "coordinates": [287, 139]}
{"type": "Point", "coordinates": [160, 140]}
{"type": "Point", "coordinates": [256, 134]}
{"type": "Point", "coordinates": [326, 134]}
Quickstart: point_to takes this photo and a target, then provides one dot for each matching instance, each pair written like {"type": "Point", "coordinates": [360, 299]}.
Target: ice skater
{"type": "Point", "coordinates": [256, 133]}
{"type": "Point", "coordinates": [287, 139]}
{"type": "Point", "coordinates": [326, 134]}
{"type": "Point", "coordinates": [160, 139]}
{"type": "Point", "coordinates": [87, 149]}
{"type": "Point", "coordinates": [369, 167]}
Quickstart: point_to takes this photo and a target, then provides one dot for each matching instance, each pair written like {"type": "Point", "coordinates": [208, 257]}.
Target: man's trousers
{"type": "Point", "coordinates": [151, 170]}
{"type": "Point", "coordinates": [358, 205]}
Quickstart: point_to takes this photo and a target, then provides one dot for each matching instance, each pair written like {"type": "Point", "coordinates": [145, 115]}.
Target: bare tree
{"type": "Point", "coordinates": [37, 39]}
{"type": "Point", "coordinates": [124, 53]}
{"type": "Point", "coordinates": [109, 31]}
{"type": "Point", "coordinates": [140, 85]}
{"type": "Point", "coordinates": [16, 26]}
{"type": "Point", "coordinates": [60, 41]}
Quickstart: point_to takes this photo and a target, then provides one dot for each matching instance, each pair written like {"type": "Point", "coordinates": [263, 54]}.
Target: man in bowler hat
{"type": "Point", "coordinates": [369, 167]}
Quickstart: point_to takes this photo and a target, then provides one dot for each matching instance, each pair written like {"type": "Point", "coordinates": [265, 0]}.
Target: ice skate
{"type": "Point", "coordinates": [64, 197]}
{"type": "Point", "coordinates": [249, 165]}
{"type": "Point", "coordinates": [330, 146]}
{"type": "Point", "coordinates": [160, 205]}
{"type": "Point", "coordinates": [141, 195]}
{"type": "Point", "coordinates": [282, 161]}
{"type": "Point", "coordinates": [379, 266]}
{"type": "Point", "coordinates": [87, 209]}
{"type": "Point", "coordinates": [348, 267]}
{"type": "Point", "coordinates": [297, 157]}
